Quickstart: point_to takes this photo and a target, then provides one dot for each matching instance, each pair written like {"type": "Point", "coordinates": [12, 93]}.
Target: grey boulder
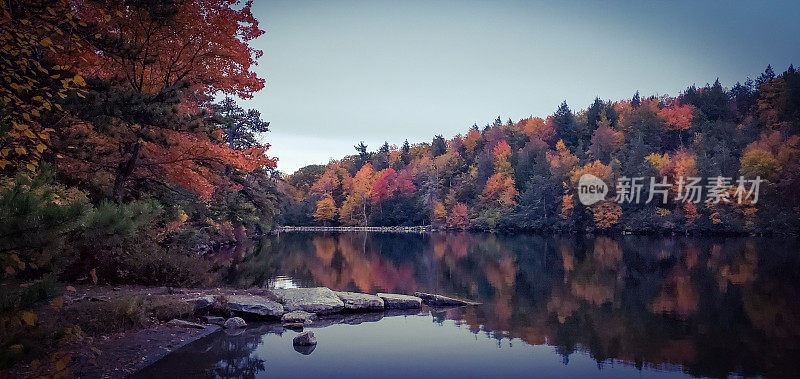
{"type": "Point", "coordinates": [255, 305]}
{"type": "Point", "coordinates": [315, 300]}
{"type": "Point", "coordinates": [397, 301]}
{"type": "Point", "coordinates": [234, 322]}
{"type": "Point", "coordinates": [360, 301]}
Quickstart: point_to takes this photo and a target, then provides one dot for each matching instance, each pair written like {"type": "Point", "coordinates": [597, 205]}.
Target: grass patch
{"type": "Point", "coordinates": [130, 312]}
{"type": "Point", "coordinates": [17, 295]}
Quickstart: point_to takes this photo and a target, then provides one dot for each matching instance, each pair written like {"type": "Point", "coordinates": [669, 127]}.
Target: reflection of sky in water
{"type": "Point", "coordinates": [407, 346]}
{"type": "Point", "coordinates": [416, 346]}
{"type": "Point", "coordinates": [281, 282]}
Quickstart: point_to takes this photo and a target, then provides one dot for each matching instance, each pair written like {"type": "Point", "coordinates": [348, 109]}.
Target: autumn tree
{"type": "Point", "coordinates": [354, 208]}
{"type": "Point", "coordinates": [501, 154]}
{"type": "Point", "coordinates": [439, 214]}
{"type": "Point", "coordinates": [605, 142]}
{"type": "Point", "coordinates": [561, 160]}
{"type": "Point", "coordinates": [677, 117]}
{"type": "Point", "coordinates": [595, 168]}
{"type": "Point", "coordinates": [458, 217]}
{"type": "Point", "coordinates": [326, 209]}
{"type": "Point", "coordinates": [499, 189]}
{"type": "Point", "coordinates": [389, 182]}
{"type": "Point", "coordinates": [472, 140]}
{"type": "Point", "coordinates": [606, 214]}
{"type": "Point", "coordinates": [145, 93]}
{"type": "Point", "coordinates": [536, 129]}
{"type": "Point", "coordinates": [33, 86]}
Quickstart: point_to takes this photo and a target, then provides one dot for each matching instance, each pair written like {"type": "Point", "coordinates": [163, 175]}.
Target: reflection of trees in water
{"type": "Point", "coordinates": [249, 264]}
{"type": "Point", "coordinates": [218, 355]}
{"type": "Point", "coordinates": [234, 355]}
{"type": "Point", "coordinates": [712, 305]}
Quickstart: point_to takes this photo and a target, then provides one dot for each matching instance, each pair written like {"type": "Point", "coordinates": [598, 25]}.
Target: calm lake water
{"type": "Point", "coordinates": [552, 306]}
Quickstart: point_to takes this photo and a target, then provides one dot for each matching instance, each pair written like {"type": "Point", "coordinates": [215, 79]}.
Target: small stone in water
{"type": "Point", "coordinates": [305, 339]}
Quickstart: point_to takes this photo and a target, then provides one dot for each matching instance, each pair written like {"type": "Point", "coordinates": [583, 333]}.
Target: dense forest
{"type": "Point", "coordinates": [522, 176]}
{"type": "Point", "coordinates": [123, 156]}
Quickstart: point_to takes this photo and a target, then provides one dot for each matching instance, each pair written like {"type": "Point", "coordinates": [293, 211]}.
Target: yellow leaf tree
{"type": "Point", "coordinates": [326, 209]}
{"type": "Point", "coordinates": [32, 87]}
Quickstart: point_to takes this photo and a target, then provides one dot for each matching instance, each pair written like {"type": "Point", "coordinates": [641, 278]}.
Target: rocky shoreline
{"type": "Point", "coordinates": [204, 312]}
{"type": "Point", "coordinates": [300, 307]}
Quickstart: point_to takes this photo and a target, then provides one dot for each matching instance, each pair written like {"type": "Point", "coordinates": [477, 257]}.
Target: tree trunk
{"type": "Point", "coordinates": [124, 170]}
{"type": "Point", "coordinates": [364, 211]}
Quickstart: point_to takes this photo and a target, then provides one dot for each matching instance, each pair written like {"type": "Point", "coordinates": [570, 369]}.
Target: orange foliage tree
{"type": "Point", "coordinates": [677, 117]}
{"type": "Point", "coordinates": [499, 189]}
{"type": "Point", "coordinates": [354, 208]}
{"type": "Point", "coordinates": [561, 161]}
{"type": "Point", "coordinates": [606, 214]}
{"type": "Point", "coordinates": [536, 128]}
{"type": "Point", "coordinates": [150, 67]}
{"type": "Point", "coordinates": [326, 209]}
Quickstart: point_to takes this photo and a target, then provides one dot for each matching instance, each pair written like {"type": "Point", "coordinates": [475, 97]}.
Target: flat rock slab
{"type": "Point", "coordinates": [315, 300]}
{"type": "Point", "coordinates": [360, 301]}
{"type": "Point", "coordinates": [397, 301]}
{"type": "Point", "coordinates": [185, 324]}
{"type": "Point", "coordinates": [301, 317]}
{"type": "Point", "coordinates": [439, 300]}
{"type": "Point", "coordinates": [255, 305]}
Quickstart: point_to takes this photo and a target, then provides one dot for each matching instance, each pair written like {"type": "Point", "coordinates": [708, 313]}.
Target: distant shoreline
{"type": "Point", "coordinates": [435, 229]}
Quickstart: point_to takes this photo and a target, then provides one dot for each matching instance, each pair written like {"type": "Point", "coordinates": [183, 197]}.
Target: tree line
{"type": "Point", "coordinates": [523, 175]}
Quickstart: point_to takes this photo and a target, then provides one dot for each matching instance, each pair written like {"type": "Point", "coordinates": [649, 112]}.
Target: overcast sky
{"type": "Point", "coordinates": [339, 72]}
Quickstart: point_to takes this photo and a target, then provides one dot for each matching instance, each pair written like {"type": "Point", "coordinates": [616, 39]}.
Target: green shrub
{"type": "Point", "coordinates": [36, 220]}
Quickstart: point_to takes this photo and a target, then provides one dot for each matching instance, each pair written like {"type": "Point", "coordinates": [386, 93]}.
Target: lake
{"type": "Point", "coordinates": [562, 306]}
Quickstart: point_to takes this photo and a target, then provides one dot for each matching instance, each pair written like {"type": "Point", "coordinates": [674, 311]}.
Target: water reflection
{"type": "Point", "coordinates": [225, 356]}
{"type": "Point", "coordinates": [706, 306]}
